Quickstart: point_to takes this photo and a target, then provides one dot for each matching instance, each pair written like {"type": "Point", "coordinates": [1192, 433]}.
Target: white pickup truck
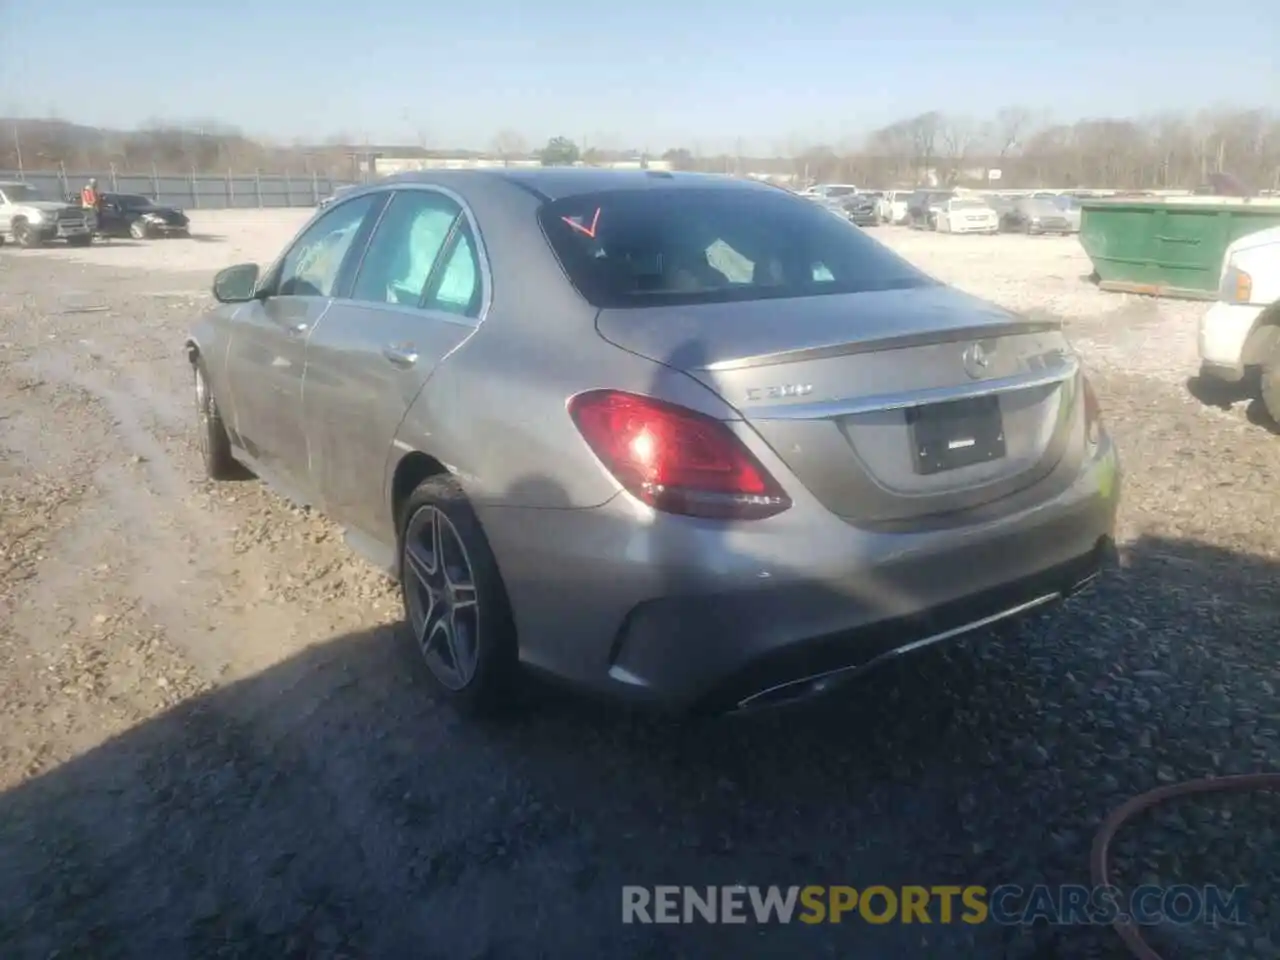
{"type": "Point", "coordinates": [1240, 333]}
{"type": "Point", "coordinates": [32, 219]}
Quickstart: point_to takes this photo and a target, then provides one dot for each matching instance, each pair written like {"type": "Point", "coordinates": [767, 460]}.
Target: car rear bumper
{"type": "Point", "coordinates": [1224, 330]}
{"type": "Point", "coordinates": [689, 614]}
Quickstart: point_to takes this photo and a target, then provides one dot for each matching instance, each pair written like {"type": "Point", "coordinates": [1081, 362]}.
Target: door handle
{"type": "Point", "coordinates": [401, 354]}
{"type": "Point", "coordinates": [300, 327]}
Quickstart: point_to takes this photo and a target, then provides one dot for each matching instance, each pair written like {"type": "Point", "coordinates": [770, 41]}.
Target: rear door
{"type": "Point", "coordinates": [416, 296]}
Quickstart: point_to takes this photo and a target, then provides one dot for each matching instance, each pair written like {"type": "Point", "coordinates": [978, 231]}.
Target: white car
{"type": "Point", "coordinates": [829, 191]}
{"type": "Point", "coordinates": [1241, 331]}
{"type": "Point", "coordinates": [967, 215]}
{"type": "Point", "coordinates": [893, 206]}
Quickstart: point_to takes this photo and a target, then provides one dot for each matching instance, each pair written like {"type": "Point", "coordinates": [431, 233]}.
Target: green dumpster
{"type": "Point", "coordinates": [1171, 247]}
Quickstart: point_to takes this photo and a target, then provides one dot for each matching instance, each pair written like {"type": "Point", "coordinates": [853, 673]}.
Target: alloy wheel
{"type": "Point", "coordinates": [441, 599]}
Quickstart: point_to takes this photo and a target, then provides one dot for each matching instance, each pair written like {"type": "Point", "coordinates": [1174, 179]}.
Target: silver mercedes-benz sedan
{"type": "Point", "coordinates": [682, 439]}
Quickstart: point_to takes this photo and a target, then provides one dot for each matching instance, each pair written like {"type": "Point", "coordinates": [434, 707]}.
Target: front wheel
{"type": "Point", "coordinates": [454, 599]}
{"type": "Point", "coordinates": [138, 230]}
{"type": "Point", "coordinates": [1270, 385]}
{"type": "Point", "coordinates": [26, 235]}
{"type": "Point", "coordinates": [215, 444]}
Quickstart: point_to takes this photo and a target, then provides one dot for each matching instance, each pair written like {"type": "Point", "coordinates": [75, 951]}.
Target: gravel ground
{"type": "Point", "coordinates": [215, 741]}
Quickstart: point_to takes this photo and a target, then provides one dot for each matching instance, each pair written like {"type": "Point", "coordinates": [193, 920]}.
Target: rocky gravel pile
{"type": "Point", "coordinates": [215, 742]}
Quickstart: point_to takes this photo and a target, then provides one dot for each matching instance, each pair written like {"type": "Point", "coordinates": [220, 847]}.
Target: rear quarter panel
{"type": "Point", "coordinates": [495, 410]}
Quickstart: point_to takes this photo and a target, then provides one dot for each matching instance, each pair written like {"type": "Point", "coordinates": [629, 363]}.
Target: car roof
{"type": "Point", "coordinates": [557, 183]}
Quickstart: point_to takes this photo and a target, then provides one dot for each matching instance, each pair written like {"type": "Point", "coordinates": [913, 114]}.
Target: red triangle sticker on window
{"type": "Point", "coordinates": [578, 225]}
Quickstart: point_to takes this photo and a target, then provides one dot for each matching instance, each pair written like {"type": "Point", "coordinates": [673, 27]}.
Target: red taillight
{"type": "Point", "coordinates": [675, 459]}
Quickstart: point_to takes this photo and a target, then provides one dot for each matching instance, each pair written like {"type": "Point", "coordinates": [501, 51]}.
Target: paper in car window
{"type": "Point", "coordinates": [587, 227]}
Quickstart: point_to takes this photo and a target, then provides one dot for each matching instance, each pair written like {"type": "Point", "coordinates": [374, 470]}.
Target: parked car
{"type": "Point", "coordinates": [133, 215]}
{"type": "Point", "coordinates": [339, 191]}
{"type": "Point", "coordinates": [863, 210]}
{"type": "Point", "coordinates": [1034, 215]}
{"type": "Point", "coordinates": [829, 191]}
{"type": "Point", "coordinates": [559, 406]}
{"type": "Point", "coordinates": [1069, 205]}
{"type": "Point", "coordinates": [923, 206]}
{"type": "Point", "coordinates": [893, 206]}
{"type": "Point", "coordinates": [967, 215]}
{"type": "Point", "coordinates": [33, 219]}
{"type": "Point", "coordinates": [1240, 334]}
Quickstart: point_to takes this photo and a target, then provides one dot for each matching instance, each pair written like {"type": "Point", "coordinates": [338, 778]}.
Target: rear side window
{"type": "Point", "coordinates": [457, 286]}
{"type": "Point", "coordinates": [646, 247]}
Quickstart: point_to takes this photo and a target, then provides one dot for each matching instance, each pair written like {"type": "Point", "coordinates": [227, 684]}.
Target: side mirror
{"type": "Point", "coordinates": [236, 284]}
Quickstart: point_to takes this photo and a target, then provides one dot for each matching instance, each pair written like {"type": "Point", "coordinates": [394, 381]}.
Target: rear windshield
{"type": "Point", "coordinates": [640, 248]}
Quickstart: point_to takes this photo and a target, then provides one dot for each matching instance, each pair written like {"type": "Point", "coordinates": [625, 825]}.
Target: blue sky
{"type": "Point", "coordinates": [649, 75]}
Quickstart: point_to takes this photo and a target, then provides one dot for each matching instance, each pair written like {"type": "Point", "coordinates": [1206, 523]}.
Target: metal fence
{"type": "Point", "coordinates": [196, 191]}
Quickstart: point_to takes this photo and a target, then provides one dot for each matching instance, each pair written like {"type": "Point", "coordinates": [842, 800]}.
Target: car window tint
{"type": "Point", "coordinates": [457, 286]}
{"type": "Point", "coordinates": [701, 245]}
{"type": "Point", "coordinates": [310, 268]}
{"type": "Point", "coordinates": [404, 247]}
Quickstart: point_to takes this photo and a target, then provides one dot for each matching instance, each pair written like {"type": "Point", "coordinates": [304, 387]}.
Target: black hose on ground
{"type": "Point", "coordinates": [1127, 929]}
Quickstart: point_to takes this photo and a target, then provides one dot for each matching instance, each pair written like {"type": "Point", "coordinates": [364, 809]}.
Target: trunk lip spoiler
{"type": "Point", "coordinates": [981, 331]}
{"type": "Point", "coordinates": [1066, 369]}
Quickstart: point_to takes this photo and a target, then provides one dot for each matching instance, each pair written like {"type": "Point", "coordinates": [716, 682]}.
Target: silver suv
{"type": "Point", "coordinates": [32, 219]}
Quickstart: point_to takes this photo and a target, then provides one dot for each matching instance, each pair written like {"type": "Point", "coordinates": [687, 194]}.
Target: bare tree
{"type": "Point", "coordinates": [509, 145]}
{"type": "Point", "coordinates": [1011, 124]}
{"type": "Point", "coordinates": [924, 138]}
{"type": "Point", "coordinates": [957, 137]}
{"type": "Point", "coordinates": [1167, 151]}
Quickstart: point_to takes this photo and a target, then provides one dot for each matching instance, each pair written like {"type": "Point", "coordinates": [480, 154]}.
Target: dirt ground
{"type": "Point", "coordinates": [215, 740]}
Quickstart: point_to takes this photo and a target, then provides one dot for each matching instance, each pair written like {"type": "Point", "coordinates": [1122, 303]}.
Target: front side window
{"type": "Point", "coordinates": [310, 268]}
{"type": "Point", "coordinates": [404, 247]}
{"type": "Point", "coordinates": [21, 193]}
{"type": "Point", "coordinates": [705, 245]}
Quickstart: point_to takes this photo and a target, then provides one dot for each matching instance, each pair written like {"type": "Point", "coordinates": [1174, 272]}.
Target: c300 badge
{"type": "Point", "coordinates": [784, 391]}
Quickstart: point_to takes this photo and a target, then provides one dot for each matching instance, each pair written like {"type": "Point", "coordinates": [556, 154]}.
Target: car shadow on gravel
{"type": "Point", "coordinates": [1223, 395]}
{"type": "Point", "coordinates": [331, 807]}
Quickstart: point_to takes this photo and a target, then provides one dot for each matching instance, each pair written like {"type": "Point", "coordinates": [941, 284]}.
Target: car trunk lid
{"type": "Point", "coordinates": [888, 406]}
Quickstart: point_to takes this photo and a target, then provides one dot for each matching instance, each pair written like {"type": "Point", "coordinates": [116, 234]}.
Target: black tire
{"type": "Point", "coordinates": [215, 443]}
{"type": "Point", "coordinates": [83, 241]}
{"type": "Point", "coordinates": [26, 236]}
{"type": "Point", "coordinates": [1269, 385]}
{"type": "Point", "coordinates": [138, 230]}
{"type": "Point", "coordinates": [488, 686]}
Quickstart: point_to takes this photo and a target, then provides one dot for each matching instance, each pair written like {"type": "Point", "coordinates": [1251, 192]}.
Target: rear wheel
{"type": "Point", "coordinates": [454, 599]}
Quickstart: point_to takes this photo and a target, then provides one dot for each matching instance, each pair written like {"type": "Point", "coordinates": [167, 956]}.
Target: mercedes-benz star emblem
{"type": "Point", "coordinates": [975, 361]}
